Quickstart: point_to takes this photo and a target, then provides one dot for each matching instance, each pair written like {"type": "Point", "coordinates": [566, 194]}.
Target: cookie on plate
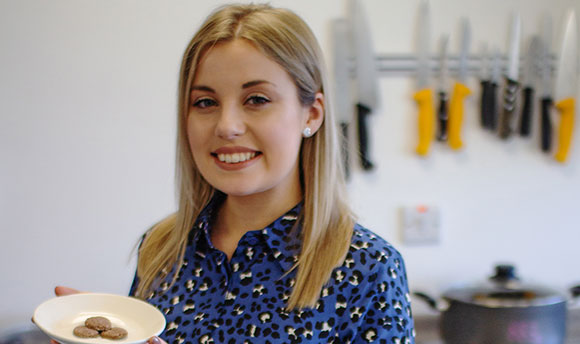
{"type": "Point", "coordinates": [114, 333]}
{"type": "Point", "coordinates": [85, 332]}
{"type": "Point", "coordinates": [98, 323]}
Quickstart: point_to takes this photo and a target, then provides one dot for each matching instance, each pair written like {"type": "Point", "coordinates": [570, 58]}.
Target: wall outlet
{"type": "Point", "coordinates": [421, 225]}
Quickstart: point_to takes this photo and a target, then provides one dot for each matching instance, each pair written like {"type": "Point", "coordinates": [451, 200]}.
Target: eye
{"type": "Point", "coordinates": [257, 100]}
{"type": "Point", "coordinates": [204, 103]}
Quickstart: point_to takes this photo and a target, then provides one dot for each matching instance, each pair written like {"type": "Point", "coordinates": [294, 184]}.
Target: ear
{"type": "Point", "coordinates": [315, 113]}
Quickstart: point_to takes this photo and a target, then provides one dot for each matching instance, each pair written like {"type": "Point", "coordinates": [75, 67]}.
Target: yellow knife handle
{"type": "Point", "coordinates": [566, 108]}
{"type": "Point", "coordinates": [460, 91]}
{"type": "Point", "coordinates": [424, 99]}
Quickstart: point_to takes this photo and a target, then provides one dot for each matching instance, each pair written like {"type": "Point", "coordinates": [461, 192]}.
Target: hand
{"type": "Point", "coordinates": [156, 340]}
{"type": "Point", "coordinates": [62, 291]}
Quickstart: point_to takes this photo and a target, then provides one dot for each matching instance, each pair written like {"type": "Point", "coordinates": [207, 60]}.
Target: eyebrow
{"type": "Point", "coordinates": [256, 82]}
{"type": "Point", "coordinates": [202, 88]}
{"type": "Point", "coordinates": [244, 86]}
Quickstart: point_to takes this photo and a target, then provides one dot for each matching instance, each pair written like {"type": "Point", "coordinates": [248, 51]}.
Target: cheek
{"type": "Point", "coordinates": [195, 138]}
{"type": "Point", "coordinates": [283, 144]}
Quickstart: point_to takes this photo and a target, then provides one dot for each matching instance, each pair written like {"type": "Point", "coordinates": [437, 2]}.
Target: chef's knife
{"type": "Point", "coordinates": [528, 82]}
{"type": "Point", "coordinates": [512, 85]}
{"type": "Point", "coordinates": [342, 95]}
{"type": "Point", "coordinates": [424, 94]}
{"type": "Point", "coordinates": [492, 96]}
{"type": "Point", "coordinates": [566, 86]}
{"type": "Point", "coordinates": [442, 114]}
{"type": "Point", "coordinates": [485, 81]}
{"type": "Point", "coordinates": [546, 84]}
{"type": "Point", "coordinates": [366, 77]}
{"type": "Point", "coordinates": [460, 91]}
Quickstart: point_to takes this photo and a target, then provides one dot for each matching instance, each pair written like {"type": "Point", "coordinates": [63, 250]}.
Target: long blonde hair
{"type": "Point", "coordinates": [327, 222]}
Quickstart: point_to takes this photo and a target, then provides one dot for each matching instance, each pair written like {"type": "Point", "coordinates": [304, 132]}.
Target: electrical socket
{"type": "Point", "coordinates": [421, 224]}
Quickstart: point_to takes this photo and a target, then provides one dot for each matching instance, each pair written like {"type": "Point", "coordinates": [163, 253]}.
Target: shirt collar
{"type": "Point", "coordinates": [282, 236]}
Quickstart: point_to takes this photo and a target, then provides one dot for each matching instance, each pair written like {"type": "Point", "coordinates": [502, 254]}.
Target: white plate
{"type": "Point", "coordinates": [58, 317]}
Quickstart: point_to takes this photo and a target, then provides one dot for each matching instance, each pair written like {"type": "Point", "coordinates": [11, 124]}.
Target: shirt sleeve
{"type": "Point", "coordinates": [388, 317]}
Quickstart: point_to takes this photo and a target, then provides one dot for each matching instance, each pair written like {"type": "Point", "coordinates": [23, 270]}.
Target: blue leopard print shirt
{"type": "Point", "coordinates": [243, 301]}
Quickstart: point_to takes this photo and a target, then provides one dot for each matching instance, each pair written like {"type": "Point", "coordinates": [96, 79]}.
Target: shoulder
{"type": "Point", "coordinates": [372, 259]}
{"type": "Point", "coordinates": [372, 249]}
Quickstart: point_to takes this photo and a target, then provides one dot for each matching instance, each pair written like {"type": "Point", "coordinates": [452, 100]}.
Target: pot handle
{"type": "Point", "coordinates": [575, 291]}
{"type": "Point", "coordinates": [430, 301]}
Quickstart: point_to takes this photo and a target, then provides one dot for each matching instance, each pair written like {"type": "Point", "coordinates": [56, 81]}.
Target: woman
{"type": "Point", "coordinates": [263, 247]}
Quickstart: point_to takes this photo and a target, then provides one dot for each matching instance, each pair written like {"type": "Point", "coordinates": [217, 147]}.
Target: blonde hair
{"type": "Point", "coordinates": [327, 222]}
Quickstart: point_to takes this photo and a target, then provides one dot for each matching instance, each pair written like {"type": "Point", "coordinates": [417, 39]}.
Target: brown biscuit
{"type": "Point", "coordinates": [85, 332]}
{"type": "Point", "coordinates": [98, 323]}
{"type": "Point", "coordinates": [114, 333]}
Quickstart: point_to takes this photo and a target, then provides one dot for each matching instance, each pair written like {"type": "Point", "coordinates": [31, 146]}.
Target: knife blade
{"type": "Point", "coordinates": [531, 64]}
{"type": "Point", "coordinates": [546, 84]}
{"type": "Point", "coordinates": [512, 85]}
{"type": "Point", "coordinates": [366, 93]}
{"type": "Point", "coordinates": [460, 90]}
{"type": "Point", "coordinates": [342, 95]}
{"type": "Point", "coordinates": [566, 86]}
{"type": "Point", "coordinates": [424, 95]}
{"type": "Point", "coordinates": [442, 114]}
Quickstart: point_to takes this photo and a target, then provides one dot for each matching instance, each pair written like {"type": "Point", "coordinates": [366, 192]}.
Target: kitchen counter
{"type": "Point", "coordinates": [427, 329]}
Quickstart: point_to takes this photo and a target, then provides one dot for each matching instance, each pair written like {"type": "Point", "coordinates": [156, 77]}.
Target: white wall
{"type": "Point", "coordinates": [87, 131]}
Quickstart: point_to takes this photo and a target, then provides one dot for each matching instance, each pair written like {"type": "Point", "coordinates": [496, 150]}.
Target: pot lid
{"type": "Point", "coordinates": [505, 290]}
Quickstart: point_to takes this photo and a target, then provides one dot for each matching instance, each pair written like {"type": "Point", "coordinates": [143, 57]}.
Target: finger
{"type": "Point", "coordinates": [156, 340]}
{"type": "Point", "coordinates": [62, 291]}
{"type": "Point", "coordinates": [52, 341]}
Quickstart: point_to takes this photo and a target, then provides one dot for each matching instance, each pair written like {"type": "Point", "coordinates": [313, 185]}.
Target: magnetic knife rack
{"type": "Point", "coordinates": [406, 64]}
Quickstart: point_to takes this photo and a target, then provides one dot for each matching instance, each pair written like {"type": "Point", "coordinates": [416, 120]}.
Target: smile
{"type": "Point", "coordinates": [236, 157]}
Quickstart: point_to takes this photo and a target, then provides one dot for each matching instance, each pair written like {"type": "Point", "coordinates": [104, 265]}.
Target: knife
{"type": "Point", "coordinates": [485, 81]}
{"type": "Point", "coordinates": [460, 91]}
{"type": "Point", "coordinates": [566, 86]}
{"type": "Point", "coordinates": [341, 73]}
{"type": "Point", "coordinates": [442, 114]}
{"type": "Point", "coordinates": [492, 96]}
{"type": "Point", "coordinates": [546, 82]}
{"type": "Point", "coordinates": [366, 78]}
{"type": "Point", "coordinates": [512, 85]}
{"type": "Point", "coordinates": [528, 82]}
{"type": "Point", "coordinates": [424, 94]}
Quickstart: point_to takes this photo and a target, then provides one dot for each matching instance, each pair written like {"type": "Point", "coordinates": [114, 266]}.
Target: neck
{"type": "Point", "coordinates": [241, 214]}
{"type": "Point", "coordinates": [246, 213]}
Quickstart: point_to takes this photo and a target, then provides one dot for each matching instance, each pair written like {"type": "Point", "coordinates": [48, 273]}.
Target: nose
{"type": "Point", "coordinates": [230, 122]}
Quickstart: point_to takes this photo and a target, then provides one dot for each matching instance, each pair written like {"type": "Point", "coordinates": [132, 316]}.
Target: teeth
{"type": "Point", "coordinates": [236, 157]}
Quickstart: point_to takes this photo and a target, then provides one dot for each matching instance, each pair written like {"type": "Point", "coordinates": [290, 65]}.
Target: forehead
{"type": "Point", "coordinates": [237, 59]}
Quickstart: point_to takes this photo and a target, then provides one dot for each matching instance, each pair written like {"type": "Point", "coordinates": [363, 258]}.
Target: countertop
{"type": "Point", "coordinates": [427, 328]}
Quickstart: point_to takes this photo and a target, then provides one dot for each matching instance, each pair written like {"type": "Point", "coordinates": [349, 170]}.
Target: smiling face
{"type": "Point", "coordinates": [245, 122]}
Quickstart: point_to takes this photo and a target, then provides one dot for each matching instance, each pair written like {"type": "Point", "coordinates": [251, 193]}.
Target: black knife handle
{"type": "Point", "coordinates": [442, 116]}
{"type": "Point", "coordinates": [493, 113]}
{"type": "Point", "coordinates": [344, 149]}
{"type": "Point", "coordinates": [546, 124]}
{"type": "Point", "coordinates": [509, 107]}
{"type": "Point", "coordinates": [485, 88]}
{"type": "Point", "coordinates": [527, 111]}
{"type": "Point", "coordinates": [363, 139]}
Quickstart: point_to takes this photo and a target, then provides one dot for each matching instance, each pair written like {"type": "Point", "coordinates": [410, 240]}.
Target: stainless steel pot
{"type": "Point", "coordinates": [503, 310]}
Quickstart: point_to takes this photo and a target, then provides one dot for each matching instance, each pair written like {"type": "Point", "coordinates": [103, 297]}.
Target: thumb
{"type": "Point", "coordinates": [62, 291]}
{"type": "Point", "coordinates": [156, 340]}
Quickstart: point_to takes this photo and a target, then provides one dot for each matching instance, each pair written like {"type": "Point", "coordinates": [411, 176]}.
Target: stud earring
{"type": "Point", "coordinates": [307, 132]}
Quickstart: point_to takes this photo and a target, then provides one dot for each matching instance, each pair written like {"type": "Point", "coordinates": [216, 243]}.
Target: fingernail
{"type": "Point", "coordinates": [154, 340]}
